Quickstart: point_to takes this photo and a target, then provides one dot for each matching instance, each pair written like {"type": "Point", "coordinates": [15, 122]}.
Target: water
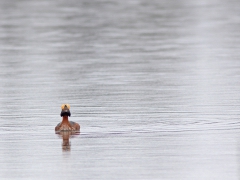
{"type": "Point", "coordinates": [153, 84]}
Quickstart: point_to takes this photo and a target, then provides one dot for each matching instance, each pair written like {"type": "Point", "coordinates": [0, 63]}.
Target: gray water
{"type": "Point", "coordinates": [153, 84]}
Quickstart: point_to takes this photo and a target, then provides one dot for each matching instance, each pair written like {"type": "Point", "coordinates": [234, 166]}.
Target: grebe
{"type": "Point", "coordinates": [66, 125]}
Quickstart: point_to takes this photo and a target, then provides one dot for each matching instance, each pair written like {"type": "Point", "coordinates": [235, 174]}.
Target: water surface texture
{"type": "Point", "coordinates": [153, 84]}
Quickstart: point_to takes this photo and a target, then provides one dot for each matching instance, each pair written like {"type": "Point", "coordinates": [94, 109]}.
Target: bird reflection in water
{"type": "Point", "coordinates": [66, 135]}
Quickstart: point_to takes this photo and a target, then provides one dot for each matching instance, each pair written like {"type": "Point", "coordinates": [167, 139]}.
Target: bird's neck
{"type": "Point", "coordinates": [65, 120]}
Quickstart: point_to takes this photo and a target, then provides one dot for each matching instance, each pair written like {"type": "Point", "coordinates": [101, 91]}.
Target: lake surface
{"type": "Point", "coordinates": [153, 84]}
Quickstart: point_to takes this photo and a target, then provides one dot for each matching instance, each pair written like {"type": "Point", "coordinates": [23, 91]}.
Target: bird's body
{"type": "Point", "coordinates": [67, 125]}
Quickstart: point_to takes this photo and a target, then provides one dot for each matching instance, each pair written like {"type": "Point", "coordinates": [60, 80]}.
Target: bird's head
{"type": "Point", "coordinates": [65, 110]}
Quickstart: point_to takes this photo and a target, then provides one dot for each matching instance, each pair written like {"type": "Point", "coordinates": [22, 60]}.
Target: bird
{"type": "Point", "coordinates": [66, 125]}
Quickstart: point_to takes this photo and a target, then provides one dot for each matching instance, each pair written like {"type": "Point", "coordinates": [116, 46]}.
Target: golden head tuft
{"type": "Point", "coordinates": [65, 106]}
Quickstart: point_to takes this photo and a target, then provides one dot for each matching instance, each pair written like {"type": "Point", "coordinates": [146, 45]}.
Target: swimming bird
{"type": "Point", "coordinates": [66, 125]}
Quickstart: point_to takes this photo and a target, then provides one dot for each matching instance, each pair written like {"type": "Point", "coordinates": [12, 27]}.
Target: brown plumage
{"type": "Point", "coordinates": [67, 125]}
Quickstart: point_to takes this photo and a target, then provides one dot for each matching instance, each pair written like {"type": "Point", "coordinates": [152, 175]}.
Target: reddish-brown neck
{"type": "Point", "coordinates": [65, 120]}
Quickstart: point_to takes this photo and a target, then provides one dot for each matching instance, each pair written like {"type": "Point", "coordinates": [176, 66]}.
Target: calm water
{"type": "Point", "coordinates": [153, 84]}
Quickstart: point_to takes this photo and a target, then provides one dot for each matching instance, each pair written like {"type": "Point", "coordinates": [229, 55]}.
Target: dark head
{"type": "Point", "coordinates": [65, 110]}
